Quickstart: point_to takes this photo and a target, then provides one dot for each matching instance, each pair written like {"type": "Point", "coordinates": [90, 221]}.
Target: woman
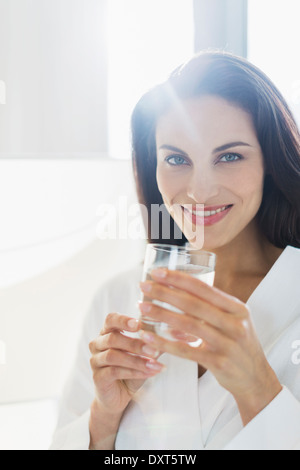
{"type": "Point", "coordinates": [217, 134]}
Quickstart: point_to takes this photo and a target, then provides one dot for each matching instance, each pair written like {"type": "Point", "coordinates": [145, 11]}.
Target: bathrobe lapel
{"type": "Point", "coordinates": [165, 413]}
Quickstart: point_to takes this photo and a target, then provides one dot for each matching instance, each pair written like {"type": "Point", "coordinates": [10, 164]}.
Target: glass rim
{"type": "Point", "coordinates": [166, 247]}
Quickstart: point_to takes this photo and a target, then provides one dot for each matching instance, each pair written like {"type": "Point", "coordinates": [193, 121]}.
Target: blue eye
{"type": "Point", "coordinates": [230, 157]}
{"type": "Point", "coordinates": [176, 160]}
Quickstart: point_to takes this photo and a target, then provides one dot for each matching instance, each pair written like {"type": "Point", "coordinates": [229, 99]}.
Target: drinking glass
{"type": "Point", "coordinates": [197, 263]}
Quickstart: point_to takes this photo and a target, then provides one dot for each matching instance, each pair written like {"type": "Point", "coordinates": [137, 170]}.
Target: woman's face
{"type": "Point", "coordinates": [210, 169]}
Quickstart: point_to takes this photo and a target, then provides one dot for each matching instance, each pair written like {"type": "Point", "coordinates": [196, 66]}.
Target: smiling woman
{"type": "Point", "coordinates": [217, 142]}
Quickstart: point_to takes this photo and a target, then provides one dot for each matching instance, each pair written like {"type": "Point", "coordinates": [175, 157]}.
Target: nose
{"type": "Point", "coordinates": [202, 185]}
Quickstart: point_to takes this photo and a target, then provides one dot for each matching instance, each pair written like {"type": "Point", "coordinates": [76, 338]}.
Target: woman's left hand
{"type": "Point", "coordinates": [230, 348]}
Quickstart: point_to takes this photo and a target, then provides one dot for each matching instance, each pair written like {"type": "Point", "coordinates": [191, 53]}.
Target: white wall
{"type": "Point", "coordinates": [53, 62]}
{"type": "Point", "coordinates": [53, 103]}
{"type": "Point", "coordinates": [41, 315]}
{"type": "Point", "coordinates": [49, 209]}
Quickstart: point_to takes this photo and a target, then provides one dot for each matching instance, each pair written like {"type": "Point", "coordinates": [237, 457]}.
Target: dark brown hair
{"type": "Point", "coordinates": [239, 82]}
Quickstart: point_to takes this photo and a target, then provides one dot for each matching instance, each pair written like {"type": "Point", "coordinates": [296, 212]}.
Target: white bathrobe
{"type": "Point", "coordinates": [177, 411]}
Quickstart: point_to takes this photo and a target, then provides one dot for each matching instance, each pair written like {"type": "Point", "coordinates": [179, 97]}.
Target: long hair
{"type": "Point", "coordinates": [239, 82]}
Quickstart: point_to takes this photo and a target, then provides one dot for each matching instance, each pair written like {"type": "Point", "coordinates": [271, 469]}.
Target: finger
{"type": "Point", "coordinates": [116, 340]}
{"type": "Point", "coordinates": [220, 361]}
{"type": "Point", "coordinates": [196, 313]}
{"type": "Point", "coordinates": [115, 321]}
{"type": "Point", "coordinates": [200, 355]}
{"type": "Point", "coordinates": [200, 289]}
{"type": "Point", "coordinates": [182, 300]}
{"type": "Point", "coordinates": [109, 374]}
{"type": "Point", "coordinates": [117, 358]}
{"type": "Point", "coordinates": [188, 324]}
{"type": "Point", "coordinates": [181, 336]}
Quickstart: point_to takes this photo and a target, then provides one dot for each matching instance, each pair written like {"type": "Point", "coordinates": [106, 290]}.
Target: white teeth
{"type": "Point", "coordinates": [209, 213]}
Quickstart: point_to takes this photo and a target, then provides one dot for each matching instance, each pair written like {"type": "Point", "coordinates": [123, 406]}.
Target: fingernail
{"type": "Point", "coordinates": [133, 324]}
{"type": "Point", "coordinates": [145, 286]}
{"type": "Point", "coordinates": [150, 351]}
{"type": "Point", "coordinates": [154, 365]}
{"type": "Point", "coordinates": [147, 337]}
{"type": "Point", "coordinates": [159, 272]}
{"type": "Point", "coordinates": [145, 308]}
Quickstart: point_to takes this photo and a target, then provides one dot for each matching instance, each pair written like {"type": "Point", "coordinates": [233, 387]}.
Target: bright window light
{"type": "Point", "coordinates": [146, 40]}
{"type": "Point", "coordinates": [273, 45]}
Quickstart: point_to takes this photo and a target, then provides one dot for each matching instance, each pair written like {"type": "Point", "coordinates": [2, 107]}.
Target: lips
{"type": "Point", "coordinates": [209, 216]}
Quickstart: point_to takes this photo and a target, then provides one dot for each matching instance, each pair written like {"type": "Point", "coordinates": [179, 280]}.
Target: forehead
{"type": "Point", "coordinates": [205, 118]}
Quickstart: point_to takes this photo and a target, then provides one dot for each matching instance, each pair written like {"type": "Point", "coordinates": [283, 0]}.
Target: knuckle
{"type": "Point", "coordinates": [110, 318]}
{"type": "Point", "coordinates": [241, 324]}
{"type": "Point", "coordinates": [110, 340]}
{"type": "Point", "coordinates": [241, 328]}
{"type": "Point", "coordinates": [93, 363]}
{"type": "Point", "coordinates": [222, 363]}
{"type": "Point", "coordinates": [110, 356]}
{"type": "Point", "coordinates": [181, 347]}
{"type": "Point", "coordinates": [246, 313]}
{"type": "Point", "coordinates": [92, 346]}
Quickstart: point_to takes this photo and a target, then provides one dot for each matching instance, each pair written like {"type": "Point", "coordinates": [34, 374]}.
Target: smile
{"type": "Point", "coordinates": [207, 217]}
{"type": "Point", "coordinates": [209, 213]}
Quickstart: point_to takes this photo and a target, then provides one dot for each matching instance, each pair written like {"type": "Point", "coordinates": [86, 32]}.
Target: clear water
{"type": "Point", "coordinates": [204, 274]}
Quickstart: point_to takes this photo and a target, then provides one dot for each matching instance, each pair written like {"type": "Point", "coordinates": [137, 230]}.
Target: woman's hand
{"type": "Point", "coordinates": [230, 348]}
{"type": "Point", "coordinates": [120, 365]}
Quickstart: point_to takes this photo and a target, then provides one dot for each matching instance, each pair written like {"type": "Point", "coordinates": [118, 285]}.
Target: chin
{"type": "Point", "coordinates": [195, 243]}
{"type": "Point", "coordinates": [208, 244]}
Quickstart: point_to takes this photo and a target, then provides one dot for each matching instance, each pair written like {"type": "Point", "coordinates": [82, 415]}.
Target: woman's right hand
{"type": "Point", "coordinates": [120, 364]}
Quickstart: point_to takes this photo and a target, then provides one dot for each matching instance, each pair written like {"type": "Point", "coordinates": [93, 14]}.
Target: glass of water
{"type": "Point", "coordinates": [197, 263]}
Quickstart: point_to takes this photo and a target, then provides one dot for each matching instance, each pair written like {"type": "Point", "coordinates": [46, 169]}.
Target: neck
{"type": "Point", "coordinates": [244, 262]}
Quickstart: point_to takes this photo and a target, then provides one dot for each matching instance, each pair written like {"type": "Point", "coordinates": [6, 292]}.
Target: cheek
{"type": "Point", "coordinates": [255, 183]}
{"type": "Point", "coordinates": [250, 188]}
{"type": "Point", "coordinates": [166, 185]}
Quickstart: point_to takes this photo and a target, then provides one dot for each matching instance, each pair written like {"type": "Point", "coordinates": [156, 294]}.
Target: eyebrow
{"type": "Point", "coordinates": [216, 150]}
{"type": "Point", "coordinates": [231, 145]}
{"type": "Point", "coordinates": [173, 149]}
